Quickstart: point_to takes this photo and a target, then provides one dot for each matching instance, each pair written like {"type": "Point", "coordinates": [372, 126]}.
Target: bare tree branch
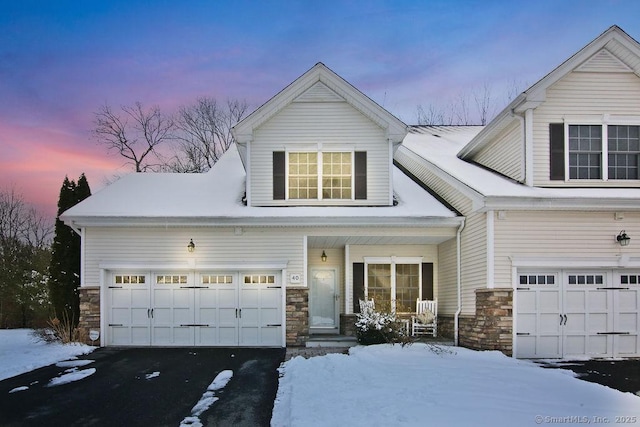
{"type": "Point", "coordinates": [136, 134]}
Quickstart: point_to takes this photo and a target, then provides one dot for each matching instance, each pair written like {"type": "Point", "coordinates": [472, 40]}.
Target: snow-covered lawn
{"type": "Point", "coordinates": [420, 385]}
{"type": "Point", "coordinates": [21, 352]}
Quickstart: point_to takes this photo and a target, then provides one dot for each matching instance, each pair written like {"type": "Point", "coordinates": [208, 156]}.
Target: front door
{"type": "Point", "coordinates": [324, 300]}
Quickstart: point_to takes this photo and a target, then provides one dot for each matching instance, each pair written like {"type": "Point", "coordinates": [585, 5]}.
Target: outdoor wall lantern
{"type": "Point", "coordinates": [623, 238]}
{"type": "Point", "coordinates": [323, 257]}
{"type": "Point", "coordinates": [191, 246]}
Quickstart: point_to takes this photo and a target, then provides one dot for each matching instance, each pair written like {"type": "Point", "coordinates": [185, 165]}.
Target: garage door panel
{"type": "Point", "coordinates": [549, 323]}
{"type": "Point", "coordinates": [575, 301]}
{"type": "Point", "coordinates": [270, 316]}
{"type": "Point", "coordinates": [549, 301]}
{"type": "Point", "coordinates": [628, 322]}
{"type": "Point", "coordinates": [628, 345]}
{"type": "Point", "coordinates": [139, 316]}
{"type": "Point", "coordinates": [548, 346]}
{"type": "Point", "coordinates": [207, 315]}
{"type": "Point", "coordinates": [527, 322]}
{"type": "Point", "coordinates": [599, 301]}
{"type": "Point", "coordinates": [628, 300]}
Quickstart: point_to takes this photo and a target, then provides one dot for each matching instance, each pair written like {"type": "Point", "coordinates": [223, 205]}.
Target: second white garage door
{"type": "Point", "coordinates": [195, 309]}
{"type": "Point", "coordinates": [576, 314]}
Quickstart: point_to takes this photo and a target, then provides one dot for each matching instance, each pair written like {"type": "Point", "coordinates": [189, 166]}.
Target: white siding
{"type": "Point", "coordinates": [505, 154]}
{"type": "Point", "coordinates": [582, 94]}
{"type": "Point", "coordinates": [447, 278]}
{"type": "Point", "coordinates": [474, 260]}
{"type": "Point", "coordinates": [311, 126]}
{"type": "Point", "coordinates": [158, 246]}
{"type": "Point", "coordinates": [557, 235]}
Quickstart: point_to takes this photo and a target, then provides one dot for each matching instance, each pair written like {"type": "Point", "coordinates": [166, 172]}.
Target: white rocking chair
{"type": "Point", "coordinates": [425, 321]}
{"type": "Point", "coordinates": [366, 305]}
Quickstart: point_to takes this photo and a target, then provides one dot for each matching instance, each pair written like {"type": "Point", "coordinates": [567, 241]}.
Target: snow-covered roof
{"type": "Point", "coordinates": [438, 147]}
{"type": "Point", "coordinates": [215, 198]}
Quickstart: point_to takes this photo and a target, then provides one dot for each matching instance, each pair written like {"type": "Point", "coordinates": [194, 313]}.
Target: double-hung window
{"type": "Point", "coordinates": [594, 152]}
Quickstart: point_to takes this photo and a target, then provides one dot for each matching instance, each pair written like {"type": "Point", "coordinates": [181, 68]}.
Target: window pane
{"type": "Point", "coordinates": [336, 180]}
{"type": "Point", "coordinates": [585, 151]}
{"type": "Point", "coordinates": [407, 287]}
{"type": "Point", "coordinates": [379, 284]}
{"type": "Point", "coordinates": [303, 175]}
{"type": "Point", "coordinates": [624, 151]}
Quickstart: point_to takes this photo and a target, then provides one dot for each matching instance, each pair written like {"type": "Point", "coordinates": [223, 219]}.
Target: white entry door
{"type": "Point", "coordinates": [324, 300]}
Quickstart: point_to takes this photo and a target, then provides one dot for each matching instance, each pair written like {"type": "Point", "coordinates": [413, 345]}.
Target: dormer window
{"type": "Point", "coordinates": [320, 175]}
{"type": "Point", "coordinates": [589, 157]}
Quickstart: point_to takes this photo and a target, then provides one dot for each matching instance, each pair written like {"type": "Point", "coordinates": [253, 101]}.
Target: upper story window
{"type": "Point", "coordinates": [320, 175]}
{"type": "Point", "coordinates": [594, 152]}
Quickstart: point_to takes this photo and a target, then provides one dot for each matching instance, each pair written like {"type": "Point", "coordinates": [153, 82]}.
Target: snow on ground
{"type": "Point", "coordinates": [208, 398]}
{"type": "Point", "coordinates": [21, 352]}
{"type": "Point", "coordinates": [70, 376]}
{"type": "Point", "coordinates": [421, 385]}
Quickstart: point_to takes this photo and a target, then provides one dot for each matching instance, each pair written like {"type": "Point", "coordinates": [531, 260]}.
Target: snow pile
{"type": "Point", "coordinates": [419, 385]}
{"type": "Point", "coordinates": [208, 398]}
{"type": "Point", "coordinates": [20, 352]}
{"type": "Point", "coordinates": [71, 375]}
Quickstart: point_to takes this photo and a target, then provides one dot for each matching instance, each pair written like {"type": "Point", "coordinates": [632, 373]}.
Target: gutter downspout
{"type": "Point", "coordinates": [459, 282]}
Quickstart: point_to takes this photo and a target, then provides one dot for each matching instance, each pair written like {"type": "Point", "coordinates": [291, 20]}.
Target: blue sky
{"type": "Point", "coordinates": [61, 60]}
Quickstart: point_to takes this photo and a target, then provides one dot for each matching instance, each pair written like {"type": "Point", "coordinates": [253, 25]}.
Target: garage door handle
{"type": "Point", "coordinates": [238, 313]}
{"type": "Point", "coordinates": [613, 333]}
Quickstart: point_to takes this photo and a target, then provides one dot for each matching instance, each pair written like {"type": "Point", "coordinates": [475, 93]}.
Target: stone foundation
{"type": "Point", "coordinates": [89, 311]}
{"type": "Point", "coordinates": [348, 325]}
{"type": "Point", "coordinates": [297, 316]}
{"type": "Point", "coordinates": [492, 326]}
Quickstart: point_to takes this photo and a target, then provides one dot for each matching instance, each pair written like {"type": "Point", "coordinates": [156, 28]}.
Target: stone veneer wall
{"type": "Point", "coordinates": [492, 326]}
{"type": "Point", "coordinates": [89, 311]}
{"type": "Point", "coordinates": [297, 316]}
{"type": "Point", "coordinates": [348, 325]}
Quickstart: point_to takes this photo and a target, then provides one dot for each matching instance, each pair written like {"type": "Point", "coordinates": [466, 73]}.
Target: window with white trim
{"type": "Point", "coordinates": [128, 279]}
{"type": "Point", "coordinates": [589, 157]}
{"type": "Point", "coordinates": [320, 175]}
{"type": "Point", "coordinates": [395, 282]}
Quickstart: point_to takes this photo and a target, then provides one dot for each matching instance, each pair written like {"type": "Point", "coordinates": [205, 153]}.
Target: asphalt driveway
{"type": "Point", "coordinates": [147, 387]}
{"type": "Point", "coordinates": [622, 375]}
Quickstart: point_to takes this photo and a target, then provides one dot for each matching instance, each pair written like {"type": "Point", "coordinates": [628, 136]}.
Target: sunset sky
{"type": "Point", "coordinates": [61, 60]}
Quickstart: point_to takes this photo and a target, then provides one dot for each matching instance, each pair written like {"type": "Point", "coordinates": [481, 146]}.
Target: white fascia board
{"type": "Point", "coordinates": [501, 121]}
{"type": "Point", "coordinates": [272, 222]}
{"type": "Point", "coordinates": [560, 204]}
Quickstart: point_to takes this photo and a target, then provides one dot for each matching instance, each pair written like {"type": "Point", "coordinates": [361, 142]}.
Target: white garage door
{"type": "Point", "coordinates": [195, 309]}
{"type": "Point", "coordinates": [573, 314]}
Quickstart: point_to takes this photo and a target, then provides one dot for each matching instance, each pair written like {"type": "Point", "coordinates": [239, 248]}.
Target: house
{"type": "Point", "coordinates": [516, 228]}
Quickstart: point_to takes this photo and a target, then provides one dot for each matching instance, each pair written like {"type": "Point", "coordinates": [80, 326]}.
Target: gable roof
{"type": "Point", "coordinates": [319, 84]}
{"type": "Point", "coordinates": [214, 198]}
{"type": "Point", "coordinates": [613, 50]}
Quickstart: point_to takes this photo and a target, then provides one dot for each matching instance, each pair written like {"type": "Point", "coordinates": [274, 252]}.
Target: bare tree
{"type": "Point", "coordinates": [204, 133]}
{"type": "Point", "coordinates": [485, 105]}
{"type": "Point", "coordinates": [135, 133]}
{"type": "Point", "coordinates": [477, 106]}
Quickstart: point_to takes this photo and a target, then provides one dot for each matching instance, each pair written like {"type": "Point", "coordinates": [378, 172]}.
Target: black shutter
{"type": "Point", "coordinates": [360, 170]}
{"type": "Point", "coordinates": [358, 285]}
{"type": "Point", "coordinates": [278, 175]}
{"type": "Point", "coordinates": [427, 280]}
{"type": "Point", "coordinates": [556, 153]}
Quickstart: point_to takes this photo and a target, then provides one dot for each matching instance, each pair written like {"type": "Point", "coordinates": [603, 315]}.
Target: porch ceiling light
{"type": "Point", "coordinates": [623, 238]}
{"type": "Point", "coordinates": [191, 246]}
{"type": "Point", "coordinates": [323, 257]}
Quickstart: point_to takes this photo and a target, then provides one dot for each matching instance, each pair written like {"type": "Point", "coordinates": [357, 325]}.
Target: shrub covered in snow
{"type": "Point", "coordinates": [379, 327]}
